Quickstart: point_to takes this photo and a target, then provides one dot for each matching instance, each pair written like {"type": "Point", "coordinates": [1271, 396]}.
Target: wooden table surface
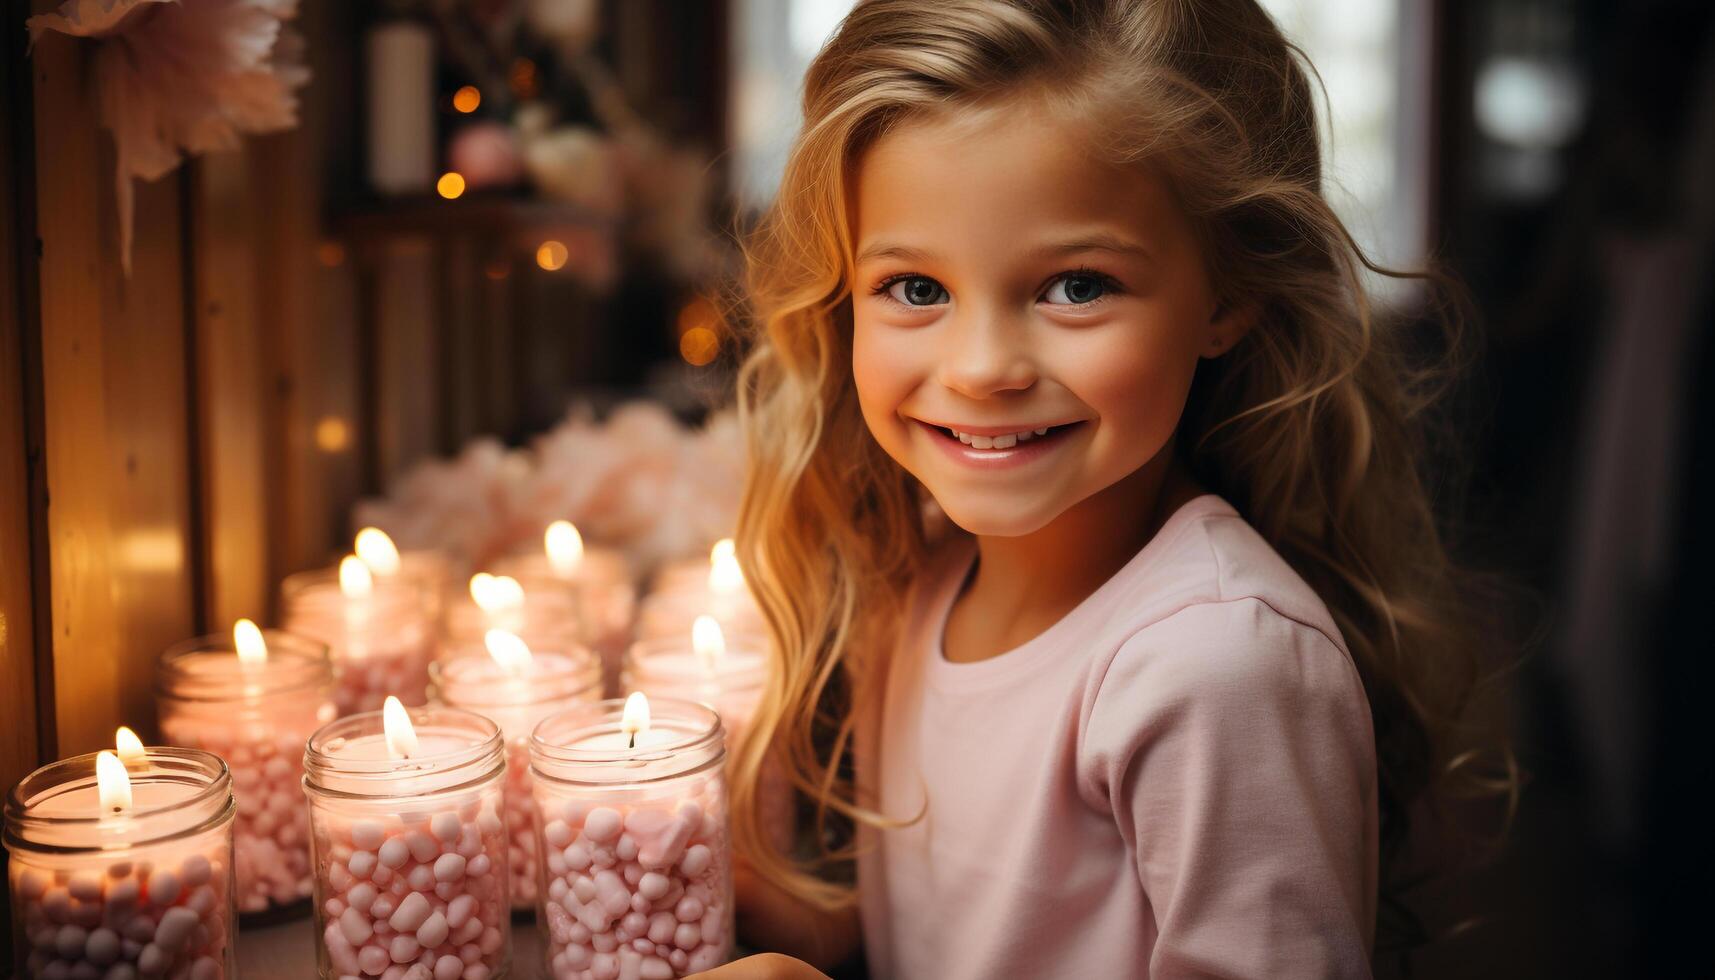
{"type": "Point", "coordinates": [287, 951]}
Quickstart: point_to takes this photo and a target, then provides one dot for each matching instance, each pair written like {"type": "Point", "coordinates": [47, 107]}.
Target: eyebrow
{"type": "Point", "coordinates": [1100, 242]}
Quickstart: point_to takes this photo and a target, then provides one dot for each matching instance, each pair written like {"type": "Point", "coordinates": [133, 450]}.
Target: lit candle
{"type": "Point", "coordinates": [409, 843]}
{"type": "Point", "coordinates": [686, 590]}
{"type": "Point", "coordinates": [120, 871]}
{"type": "Point", "coordinates": [632, 802]}
{"type": "Point", "coordinates": [130, 747]}
{"type": "Point", "coordinates": [542, 612]}
{"type": "Point", "coordinates": [602, 585]}
{"type": "Point", "coordinates": [516, 687]}
{"type": "Point", "coordinates": [253, 697]}
{"type": "Point", "coordinates": [378, 631]}
{"type": "Point", "coordinates": [428, 569]}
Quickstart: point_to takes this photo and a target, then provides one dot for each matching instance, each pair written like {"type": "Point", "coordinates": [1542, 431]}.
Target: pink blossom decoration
{"type": "Point", "coordinates": [178, 77]}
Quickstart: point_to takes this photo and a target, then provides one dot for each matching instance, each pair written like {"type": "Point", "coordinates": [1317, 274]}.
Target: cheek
{"type": "Point", "coordinates": [1138, 389]}
{"type": "Point", "coordinates": [881, 373]}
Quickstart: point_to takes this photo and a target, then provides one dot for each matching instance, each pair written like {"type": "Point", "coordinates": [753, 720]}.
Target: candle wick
{"type": "Point", "coordinates": [631, 741]}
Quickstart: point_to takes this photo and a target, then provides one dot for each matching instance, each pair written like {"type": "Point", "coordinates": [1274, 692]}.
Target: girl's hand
{"type": "Point", "coordinates": [763, 966]}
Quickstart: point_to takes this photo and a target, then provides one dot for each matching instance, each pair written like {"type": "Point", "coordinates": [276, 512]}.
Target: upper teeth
{"type": "Point", "coordinates": [999, 442]}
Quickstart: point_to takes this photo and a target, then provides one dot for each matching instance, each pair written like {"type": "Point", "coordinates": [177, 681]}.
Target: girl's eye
{"type": "Point", "coordinates": [914, 291]}
{"type": "Point", "coordinates": [1076, 290]}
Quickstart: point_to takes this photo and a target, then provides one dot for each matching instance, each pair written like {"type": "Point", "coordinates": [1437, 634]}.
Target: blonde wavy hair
{"type": "Point", "coordinates": [1311, 428]}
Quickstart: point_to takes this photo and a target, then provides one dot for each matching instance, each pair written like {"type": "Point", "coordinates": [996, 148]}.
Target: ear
{"type": "Point", "coordinates": [1228, 325]}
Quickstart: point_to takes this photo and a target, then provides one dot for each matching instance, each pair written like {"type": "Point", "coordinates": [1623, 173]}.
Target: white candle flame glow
{"type": "Point", "coordinates": [397, 729]}
{"type": "Point", "coordinates": [708, 643]}
{"type": "Point", "coordinates": [112, 783]}
{"type": "Point", "coordinates": [247, 640]}
{"type": "Point", "coordinates": [354, 578]}
{"type": "Point", "coordinates": [377, 551]}
{"type": "Point", "coordinates": [494, 593]}
{"type": "Point", "coordinates": [725, 577]}
{"type": "Point", "coordinates": [565, 548]}
{"type": "Point", "coordinates": [635, 720]}
{"type": "Point", "coordinates": [510, 652]}
{"type": "Point", "coordinates": [131, 751]}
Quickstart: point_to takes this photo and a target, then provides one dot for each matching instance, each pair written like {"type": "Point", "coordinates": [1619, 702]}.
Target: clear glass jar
{"type": "Point", "coordinates": [518, 702]}
{"type": "Point", "coordinates": [548, 619]}
{"type": "Point", "coordinates": [636, 859]}
{"type": "Point", "coordinates": [667, 667]}
{"type": "Point", "coordinates": [409, 855]}
{"type": "Point", "coordinates": [671, 613]}
{"type": "Point", "coordinates": [148, 889]}
{"type": "Point", "coordinates": [257, 717]}
{"type": "Point", "coordinates": [380, 643]}
{"type": "Point", "coordinates": [605, 591]}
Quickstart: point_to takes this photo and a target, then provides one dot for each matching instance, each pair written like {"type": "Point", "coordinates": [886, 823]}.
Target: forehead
{"type": "Point", "coordinates": [1001, 176]}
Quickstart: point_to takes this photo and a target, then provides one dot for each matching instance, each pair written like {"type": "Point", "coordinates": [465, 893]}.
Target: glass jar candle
{"type": "Point", "coordinates": [378, 633]}
{"type": "Point", "coordinates": [601, 583]}
{"type": "Point", "coordinates": [408, 845]}
{"type": "Point", "coordinates": [123, 874]}
{"type": "Point", "coordinates": [516, 693]}
{"type": "Point", "coordinates": [255, 710]}
{"type": "Point", "coordinates": [672, 613]}
{"type": "Point", "coordinates": [543, 612]}
{"type": "Point", "coordinates": [636, 860]}
{"type": "Point", "coordinates": [728, 672]}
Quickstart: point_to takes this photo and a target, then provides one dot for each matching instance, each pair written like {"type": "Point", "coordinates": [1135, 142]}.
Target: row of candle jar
{"type": "Point", "coordinates": [383, 613]}
{"type": "Point", "coordinates": [254, 699]}
{"type": "Point", "coordinates": [128, 875]}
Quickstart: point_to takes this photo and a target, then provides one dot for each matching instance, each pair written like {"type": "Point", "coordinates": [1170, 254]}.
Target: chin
{"type": "Point", "coordinates": [989, 519]}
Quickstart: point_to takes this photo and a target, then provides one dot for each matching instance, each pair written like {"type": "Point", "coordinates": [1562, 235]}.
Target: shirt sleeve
{"type": "Point", "coordinates": [1234, 748]}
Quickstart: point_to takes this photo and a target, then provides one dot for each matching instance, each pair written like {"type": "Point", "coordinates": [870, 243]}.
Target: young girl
{"type": "Point", "coordinates": [1156, 704]}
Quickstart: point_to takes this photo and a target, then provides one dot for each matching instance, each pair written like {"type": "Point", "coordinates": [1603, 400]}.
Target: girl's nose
{"type": "Point", "coordinates": [984, 356]}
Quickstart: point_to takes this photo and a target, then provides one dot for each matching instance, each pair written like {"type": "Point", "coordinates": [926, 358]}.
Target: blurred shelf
{"type": "Point", "coordinates": [475, 215]}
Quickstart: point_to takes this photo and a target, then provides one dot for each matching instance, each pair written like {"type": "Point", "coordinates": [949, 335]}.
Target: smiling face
{"type": "Point", "coordinates": [1009, 283]}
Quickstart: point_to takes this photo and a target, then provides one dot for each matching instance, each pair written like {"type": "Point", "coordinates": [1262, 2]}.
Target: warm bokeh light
{"type": "Point", "coordinates": [497, 270]}
{"type": "Point", "coordinates": [565, 547]}
{"type": "Point", "coordinates": [332, 435]}
{"type": "Point", "coordinates": [551, 255]}
{"type": "Point", "coordinates": [707, 642]}
{"type": "Point", "coordinates": [494, 593]}
{"type": "Point", "coordinates": [508, 650]}
{"type": "Point", "coordinates": [330, 254]}
{"type": "Point", "coordinates": [522, 78]}
{"type": "Point", "coordinates": [725, 576]}
{"type": "Point", "coordinates": [377, 551]}
{"type": "Point", "coordinates": [450, 185]}
{"type": "Point", "coordinates": [723, 550]}
{"type": "Point", "coordinates": [699, 312]}
{"type": "Point", "coordinates": [467, 98]}
{"type": "Point", "coordinates": [397, 729]}
{"type": "Point", "coordinates": [112, 782]}
{"type": "Point", "coordinates": [247, 640]}
{"type": "Point", "coordinates": [698, 346]}
{"type": "Point", "coordinates": [354, 578]}
{"type": "Point", "coordinates": [131, 750]}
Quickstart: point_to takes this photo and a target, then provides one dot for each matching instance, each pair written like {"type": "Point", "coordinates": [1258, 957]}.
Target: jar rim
{"type": "Point", "coordinates": [481, 758]}
{"type": "Point", "coordinates": [701, 743]}
{"type": "Point", "coordinates": [295, 662]}
{"type": "Point", "coordinates": [24, 828]}
{"type": "Point", "coordinates": [547, 686]}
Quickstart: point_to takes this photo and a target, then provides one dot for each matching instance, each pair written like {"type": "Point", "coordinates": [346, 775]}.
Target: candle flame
{"type": "Point", "coordinates": [377, 551]}
{"type": "Point", "coordinates": [635, 721]}
{"type": "Point", "coordinates": [725, 577]}
{"type": "Point", "coordinates": [510, 652]}
{"type": "Point", "coordinates": [397, 729]}
{"type": "Point", "coordinates": [565, 548]}
{"type": "Point", "coordinates": [112, 782]}
{"type": "Point", "coordinates": [247, 640]}
{"type": "Point", "coordinates": [130, 747]}
{"type": "Point", "coordinates": [707, 642]}
{"type": "Point", "coordinates": [494, 593]}
{"type": "Point", "coordinates": [354, 578]}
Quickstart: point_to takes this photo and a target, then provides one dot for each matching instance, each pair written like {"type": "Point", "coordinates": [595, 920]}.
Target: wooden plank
{"type": "Point", "coordinates": [406, 362]}
{"type": "Point", "coordinates": [231, 386]}
{"type": "Point", "coordinates": [19, 748]}
{"type": "Point", "coordinates": [113, 416]}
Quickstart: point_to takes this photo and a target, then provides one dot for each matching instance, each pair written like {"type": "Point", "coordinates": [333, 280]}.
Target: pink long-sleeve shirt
{"type": "Point", "coordinates": [1177, 779]}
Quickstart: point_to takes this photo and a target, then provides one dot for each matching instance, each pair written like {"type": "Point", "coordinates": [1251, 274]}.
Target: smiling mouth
{"type": "Point", "coordinates": [1006, 440]}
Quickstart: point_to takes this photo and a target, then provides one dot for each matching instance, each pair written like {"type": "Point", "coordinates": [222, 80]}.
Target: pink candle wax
{"type": "Point", "coordinates": [381, 643]}
{"type": "Point", "coordinates": [517, 701]}
{"type": "Point", "coordinates": [637, 869]}
{"type": "Point", "coordinates": [668, 666]}
{"type": "Point", "coordinates": [257, 717]}
{"type": "Point", "coordinates": [548, 618]}
{"type": "Point", "coordinates": [409, 853]}
{"type": "Point", "coordinates": [672, 613]}
{"type": "Point", "coordinates": [605, 592]}
{"type": "Point", "coordinates": [142, 891]}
